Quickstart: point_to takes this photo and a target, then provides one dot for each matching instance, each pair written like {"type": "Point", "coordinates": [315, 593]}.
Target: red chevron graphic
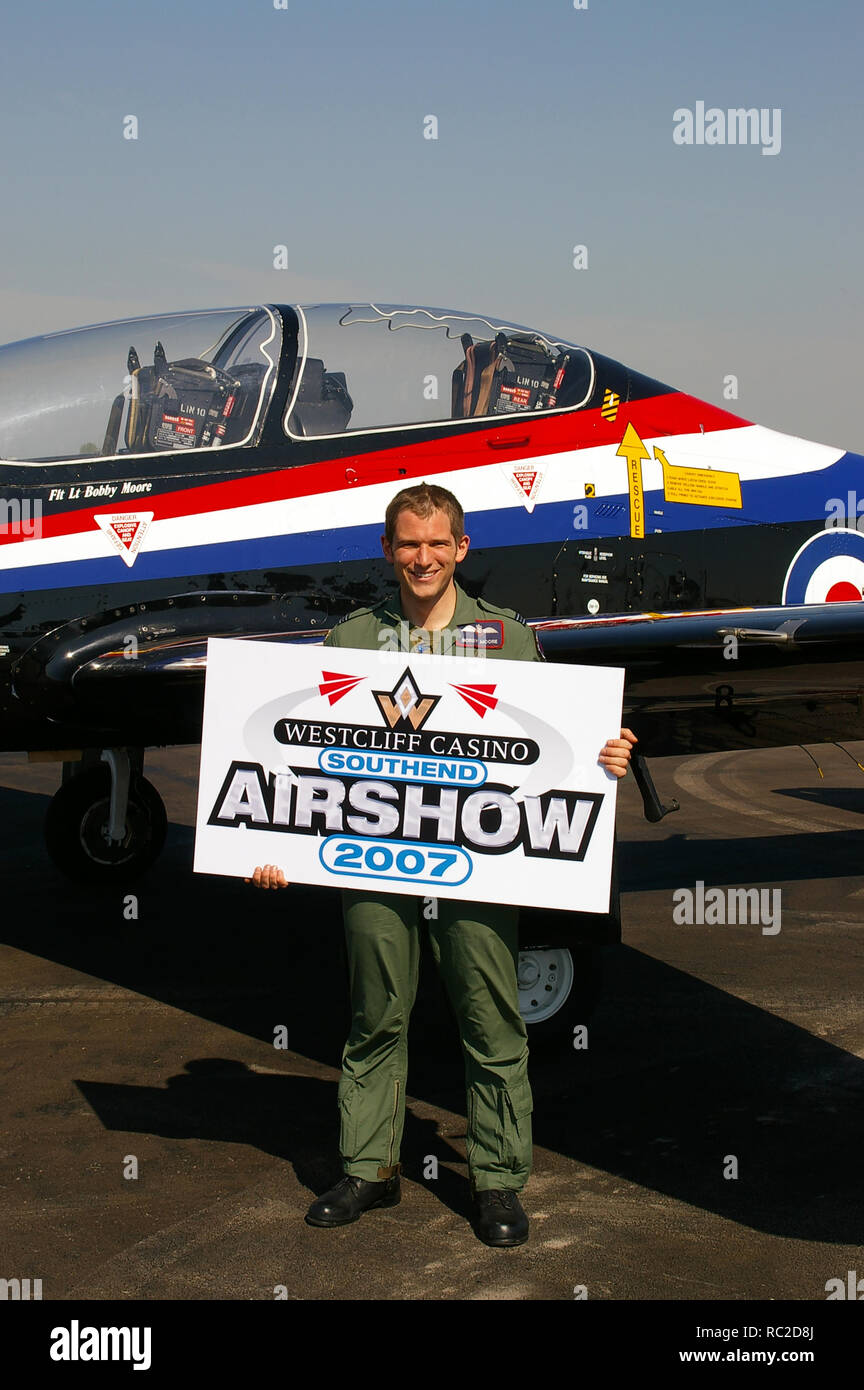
{"type": "Point", "coordinates": [479, 697]}
{"type": "Point", "coordinates": [335, 685]}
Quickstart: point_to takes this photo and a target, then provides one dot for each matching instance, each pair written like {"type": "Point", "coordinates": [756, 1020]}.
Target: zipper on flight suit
{"type": "Point", "coordinates": [393, 1122]}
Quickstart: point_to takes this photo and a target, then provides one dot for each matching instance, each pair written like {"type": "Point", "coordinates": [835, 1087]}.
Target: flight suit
{"type": "Point", "coordinates": [475, 946]}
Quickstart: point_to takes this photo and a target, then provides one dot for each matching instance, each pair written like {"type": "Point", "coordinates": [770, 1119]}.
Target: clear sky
{"type": "Point", "coordinates": [303, 126]}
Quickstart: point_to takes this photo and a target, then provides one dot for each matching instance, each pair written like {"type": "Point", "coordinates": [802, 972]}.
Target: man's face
{"type": "Point", "coordinates": [424, 554]}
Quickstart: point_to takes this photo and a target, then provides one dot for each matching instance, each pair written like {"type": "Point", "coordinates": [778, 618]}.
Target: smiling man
{"type": "Point", "coordinates": [475, 945]}
{"type": "Point", "coordinates": [424, 541]}
{"type": "Point", "coordinates": [424, 553]}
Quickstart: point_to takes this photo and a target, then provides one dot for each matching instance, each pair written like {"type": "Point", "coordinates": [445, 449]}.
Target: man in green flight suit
{"type": "Point", "coordinates": [475, 945]}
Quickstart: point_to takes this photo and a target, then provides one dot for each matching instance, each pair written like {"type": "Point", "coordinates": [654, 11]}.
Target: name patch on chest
{"type": "Point", "coordinates": [486, 635]}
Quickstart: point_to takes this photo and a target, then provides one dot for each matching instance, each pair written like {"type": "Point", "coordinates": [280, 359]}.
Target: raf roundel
{"type": "Point", "coordinates": [829, 568]}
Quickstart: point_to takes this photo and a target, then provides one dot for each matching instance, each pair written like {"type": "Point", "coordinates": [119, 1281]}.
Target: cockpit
{"type": "Point", "coordinates": [362, 367]}
{"type": "Point", "coordinates": [203, 380]}
{"type": "Point", "coordinates": [175, 382]}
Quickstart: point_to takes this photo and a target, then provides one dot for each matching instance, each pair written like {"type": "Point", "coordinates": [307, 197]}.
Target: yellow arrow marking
{"type": "Point", "coordinates": [632, 448]}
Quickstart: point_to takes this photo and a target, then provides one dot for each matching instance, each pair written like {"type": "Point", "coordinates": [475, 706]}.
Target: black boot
{"type": "Point", "coordinates": [499, 1218]}
{"type": "Point", "coordinates": [347, 1201]}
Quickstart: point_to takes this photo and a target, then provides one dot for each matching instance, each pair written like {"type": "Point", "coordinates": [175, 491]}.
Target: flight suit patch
{"type": "Point", "coordinates": [486, 634]}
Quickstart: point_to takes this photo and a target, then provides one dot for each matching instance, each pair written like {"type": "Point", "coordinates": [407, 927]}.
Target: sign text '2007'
{"type": "Point", "coordinates": [395, 859]}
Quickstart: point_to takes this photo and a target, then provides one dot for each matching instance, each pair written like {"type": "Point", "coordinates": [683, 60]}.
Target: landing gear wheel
{"type": "Point", "coordinates": [76, 829]}
{"type": "Point", "coordinates": [558, 990]}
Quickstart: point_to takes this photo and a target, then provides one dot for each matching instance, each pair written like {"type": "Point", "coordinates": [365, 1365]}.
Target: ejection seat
{"type": "Point", "coordinates": [323, 404]}
{"type": "Point", "coordinates": [186, 404]}
{"type": "Point", "coordinates": [507, 374]}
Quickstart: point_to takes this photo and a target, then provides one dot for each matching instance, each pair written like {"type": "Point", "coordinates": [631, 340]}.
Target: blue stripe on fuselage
{"type": "Point", "coordinates": [798, 497]}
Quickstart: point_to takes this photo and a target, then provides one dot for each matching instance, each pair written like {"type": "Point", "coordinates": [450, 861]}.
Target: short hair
{"type": "Point", "coordinates": [423, 500]}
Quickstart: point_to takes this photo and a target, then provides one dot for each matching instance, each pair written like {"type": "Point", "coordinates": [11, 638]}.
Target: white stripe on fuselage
{"type": "Point", "coordinates": [751, 451]}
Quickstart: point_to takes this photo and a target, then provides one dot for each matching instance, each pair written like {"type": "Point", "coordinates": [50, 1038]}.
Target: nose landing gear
{"type": "Point", "coordinates": [107, 822]}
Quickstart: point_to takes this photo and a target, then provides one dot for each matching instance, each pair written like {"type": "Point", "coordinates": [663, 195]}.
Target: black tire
{"type": "Point", "coordinates": [573, 1003]}
{"type": "Point", "coordinates": [78, 816]}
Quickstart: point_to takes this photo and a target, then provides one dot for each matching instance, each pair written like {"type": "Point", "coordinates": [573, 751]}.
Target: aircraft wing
{"type": "Point", "coordinates": [696, 682]}
{"type": "Point", "coordinates": [731, 678]}
{"type": "Point", "coordinates": [135, 675]}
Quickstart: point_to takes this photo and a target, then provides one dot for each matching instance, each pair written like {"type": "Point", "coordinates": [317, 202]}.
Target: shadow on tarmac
{"type": "Point", "coordinates": [677, 862]}
{"type": "Point", "coordinates": [292, 1117]}
{"type": "Point", "coordinates": [843, 798]}
{"type": "Point", "coordinates": [680, 1075]}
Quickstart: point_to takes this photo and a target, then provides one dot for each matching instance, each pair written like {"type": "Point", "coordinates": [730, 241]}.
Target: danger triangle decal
{"type": "Point", "coordinates": [526, 480]}
{"type": "Point", "coordinates": [125, 531]}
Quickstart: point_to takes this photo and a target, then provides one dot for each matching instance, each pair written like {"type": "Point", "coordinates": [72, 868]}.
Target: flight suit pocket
{"type": "Point", "coordinates": [499, 1126]}
{"type": "Point", "coordinates": [517, 1129]}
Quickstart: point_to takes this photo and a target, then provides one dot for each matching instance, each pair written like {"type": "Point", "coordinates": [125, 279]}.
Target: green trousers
{"type": "Point", "coordinates": [475, 946]}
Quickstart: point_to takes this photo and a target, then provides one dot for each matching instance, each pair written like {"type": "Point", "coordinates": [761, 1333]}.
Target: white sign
{"type": "Point", "coordinates": [442, 776]}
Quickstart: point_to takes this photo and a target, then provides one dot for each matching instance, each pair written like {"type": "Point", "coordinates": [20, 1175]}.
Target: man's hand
{"type": "Point", "coordinates": [616, 753]}
{"type": "Point", "coordinates": [268, 877]}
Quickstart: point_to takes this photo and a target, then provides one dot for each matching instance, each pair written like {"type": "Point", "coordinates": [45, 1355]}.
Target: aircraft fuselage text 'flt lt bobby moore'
{"type": "Point", "coordinates": [225, 473]}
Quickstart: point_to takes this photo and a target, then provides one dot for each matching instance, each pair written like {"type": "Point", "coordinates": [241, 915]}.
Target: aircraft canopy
{"type": "Point", "coordinates": [181, 381]}
{"type": "Point", "coordinates": [365, 367]}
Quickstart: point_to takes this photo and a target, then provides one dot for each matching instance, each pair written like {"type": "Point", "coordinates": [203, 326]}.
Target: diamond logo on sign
{"type": "Point", "coordinates": [405, 707]}
{"type": "Point", "coordinates": [526, 481]}
{"type": "Point", "coordinates": [125, 531]}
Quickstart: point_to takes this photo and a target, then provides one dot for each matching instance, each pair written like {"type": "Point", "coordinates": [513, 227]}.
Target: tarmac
{"type": "Point", "coordinates": [704, 1145]}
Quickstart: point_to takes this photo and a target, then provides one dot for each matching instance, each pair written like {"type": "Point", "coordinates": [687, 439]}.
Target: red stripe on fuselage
{"type": "Point", "coordinates": [416, 457]}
